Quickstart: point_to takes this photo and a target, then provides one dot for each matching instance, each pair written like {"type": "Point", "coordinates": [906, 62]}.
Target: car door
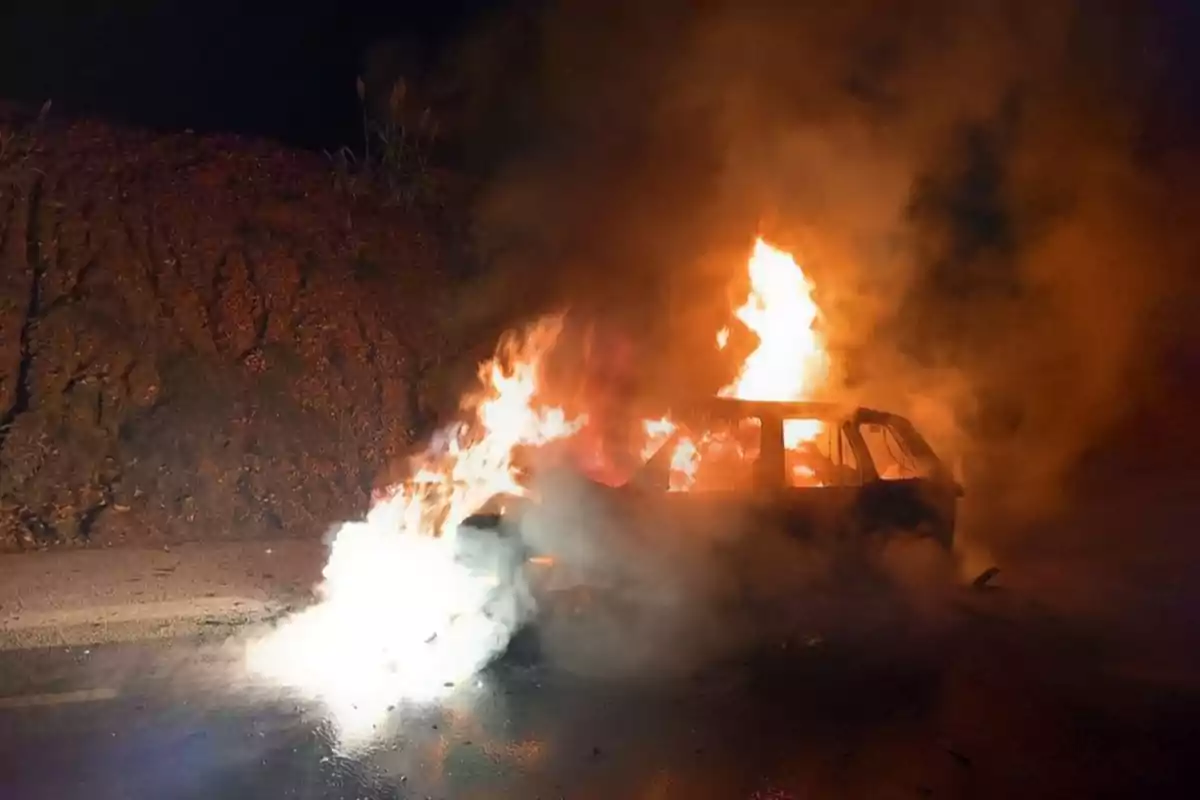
{"type": "Point", "coordinates": [906, 488]}
{"type": "Point", "coordinates": [817, 481]}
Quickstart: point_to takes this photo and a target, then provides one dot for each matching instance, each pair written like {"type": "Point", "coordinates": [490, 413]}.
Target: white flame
{"type": "Point", "coordinates": [405, 612]}
{"type": "Point", "coordinates": [399, 621]}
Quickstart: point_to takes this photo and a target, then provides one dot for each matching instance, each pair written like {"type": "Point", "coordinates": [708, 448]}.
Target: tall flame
{"type": "Point", "coordinates": [790, 360]}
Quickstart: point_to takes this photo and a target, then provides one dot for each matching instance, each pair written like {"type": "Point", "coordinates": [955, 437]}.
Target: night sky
{"type": "Point", "coordinates": [288, 71]}
{"type": "Point", "coordinates": [285, 71]}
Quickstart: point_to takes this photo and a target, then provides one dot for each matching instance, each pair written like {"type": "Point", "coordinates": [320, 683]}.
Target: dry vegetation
{"type": "Point", "coordinates": [199, 337]}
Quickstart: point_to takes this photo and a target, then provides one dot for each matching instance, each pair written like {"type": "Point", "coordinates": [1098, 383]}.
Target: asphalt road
{"type": "Point", "coordinates": [1003, 704]}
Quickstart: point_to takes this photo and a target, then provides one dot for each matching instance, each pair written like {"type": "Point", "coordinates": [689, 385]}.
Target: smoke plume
{"type": "Point", "coordinates": [980, 191]}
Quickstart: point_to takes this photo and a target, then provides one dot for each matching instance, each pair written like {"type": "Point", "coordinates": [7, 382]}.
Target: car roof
{"type": "Point", "coordinates": [788, 408]}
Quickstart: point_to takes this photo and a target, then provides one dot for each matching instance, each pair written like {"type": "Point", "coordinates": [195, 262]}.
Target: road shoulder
{"type": "Point", "coordinates": [81, 597]}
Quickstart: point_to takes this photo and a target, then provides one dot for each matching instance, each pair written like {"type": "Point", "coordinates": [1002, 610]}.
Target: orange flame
{"type": "Point", "coordinates": [790, 360]}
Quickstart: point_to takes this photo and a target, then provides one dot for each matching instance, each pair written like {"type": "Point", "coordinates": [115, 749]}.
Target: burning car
{"type": "Point", "coordinates": [731, 472]}
{"type": "Point", "coordinates": [806, 469]}
{"type": "Point", "coordinates": [809, 468]}
{"type": "Point", "coordinates": [450, 563]}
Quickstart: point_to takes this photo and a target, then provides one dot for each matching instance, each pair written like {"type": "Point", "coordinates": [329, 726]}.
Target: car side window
{"type": "Point", "coordinates": [846, 460]}
{"type": "Point", "coordinates": [891, 458]}
{"type": "Point", "coordinates": [717, 456]}
{"type": "Point", "coordinates": [818, 455]}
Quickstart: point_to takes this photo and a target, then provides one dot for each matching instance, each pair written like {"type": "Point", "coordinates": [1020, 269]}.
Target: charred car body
{"type": "Point", "coordinates": [845, 476]}
{"type": "Point", "coordinates": [808, 469]}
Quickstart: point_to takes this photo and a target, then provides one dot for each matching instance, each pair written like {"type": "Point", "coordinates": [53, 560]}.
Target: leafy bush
{"type": "Point", "coordinates": [398, 145]}
{"type": "Point", "coordinates": [19, 142]}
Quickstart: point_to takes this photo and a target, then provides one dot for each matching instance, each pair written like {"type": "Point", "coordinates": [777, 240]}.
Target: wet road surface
{"type": "Point", "coordinates": [996, 707]}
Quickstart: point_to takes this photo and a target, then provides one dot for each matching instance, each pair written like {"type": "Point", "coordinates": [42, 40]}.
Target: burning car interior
{"type": "Point", "coordinates": [739, 446]}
